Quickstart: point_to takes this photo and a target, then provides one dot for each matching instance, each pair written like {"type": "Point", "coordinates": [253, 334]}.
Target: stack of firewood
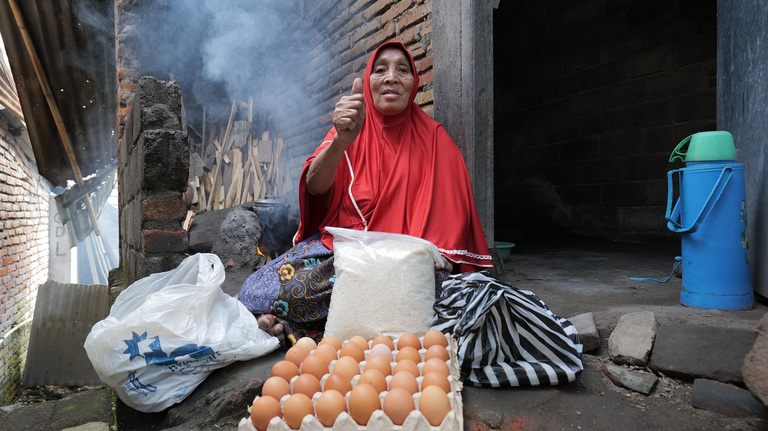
{"type": "Point", "coordinates": [240, 165]}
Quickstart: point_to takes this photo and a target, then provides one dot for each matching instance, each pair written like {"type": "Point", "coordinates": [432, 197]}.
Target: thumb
{"type": "Point", "coordinates": [357, 86]}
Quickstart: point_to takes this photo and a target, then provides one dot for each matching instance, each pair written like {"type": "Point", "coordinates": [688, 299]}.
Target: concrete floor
{"type": "Point", "coordinates": [575, 277]}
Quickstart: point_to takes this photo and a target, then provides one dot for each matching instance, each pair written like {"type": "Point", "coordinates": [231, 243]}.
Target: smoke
{"type": "Point", "coordinates": [219, 51]}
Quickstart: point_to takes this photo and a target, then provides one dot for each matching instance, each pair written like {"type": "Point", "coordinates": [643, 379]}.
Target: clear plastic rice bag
{"type": "Point", "coordinates": [385, 284]}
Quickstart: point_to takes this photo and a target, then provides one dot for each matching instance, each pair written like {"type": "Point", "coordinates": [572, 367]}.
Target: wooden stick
{"type": "Point", "coordinates": [224, 150]}
{"type": "Point", "coordinates": [237, 173]}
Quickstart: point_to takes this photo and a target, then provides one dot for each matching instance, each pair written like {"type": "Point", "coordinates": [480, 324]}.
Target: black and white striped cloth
{"type": "Point", "coordinates": [506, 336]}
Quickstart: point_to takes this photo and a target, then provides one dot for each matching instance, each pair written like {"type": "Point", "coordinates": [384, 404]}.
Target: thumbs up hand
{"type": "Point", "coordinates": [349, 115]}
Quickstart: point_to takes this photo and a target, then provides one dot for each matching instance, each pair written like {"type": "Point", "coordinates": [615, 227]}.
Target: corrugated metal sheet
{"type": "Point", "coordinates": [75, 42]}
{"type": "Point", "coordinates": [8, 97]}
{"type": "Point", "coordinates": [64, 315]}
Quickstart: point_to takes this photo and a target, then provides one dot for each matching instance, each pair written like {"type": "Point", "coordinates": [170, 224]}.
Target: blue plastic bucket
{"type": "Point", "coordinates": [710, 215]}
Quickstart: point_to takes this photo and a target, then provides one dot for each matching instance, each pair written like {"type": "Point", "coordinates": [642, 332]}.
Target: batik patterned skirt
{"type": "Point", "coordinates": [296, 288]}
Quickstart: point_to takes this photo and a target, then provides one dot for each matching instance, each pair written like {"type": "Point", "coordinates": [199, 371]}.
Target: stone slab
{"type": "Point", "coordinates": [726, 398]}
{"type": "Point", "coordinates": [755, 369]}
{"type": "Point", "coordinates": [588, 334]}
{"type": "Point", "coordinates": [689, 351]}
{"type": "Point", "coordinates": [632, 339]}
{"type": "Point", "coordinates": [636, 381]}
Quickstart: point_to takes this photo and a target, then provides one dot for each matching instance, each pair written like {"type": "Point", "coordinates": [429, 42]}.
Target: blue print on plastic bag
{"type": "Point", "coordinates": [153, 351]}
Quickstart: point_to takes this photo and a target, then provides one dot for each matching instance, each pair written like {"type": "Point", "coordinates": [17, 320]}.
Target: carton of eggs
{"type": "Point", "coordinates": [406, 384]}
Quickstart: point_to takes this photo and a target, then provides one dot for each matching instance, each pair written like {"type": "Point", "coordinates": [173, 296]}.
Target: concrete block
{"type": "Point", "coordinates": [725, 398]}
{"type": "Point", "coordinates": [632, 339]}
{"type": "Point", "coordinates": [151, 92]}
{"type": "Point", "coordinates": [588, 334]}
{"type": "Point", "coordinates": [688, 352]}
{"type": "Point", "coordinates": [165, 160]}
{"type": "Point", "coordinates": [755, 369]}
{"type": "Point", "coordinates": [160, 241]}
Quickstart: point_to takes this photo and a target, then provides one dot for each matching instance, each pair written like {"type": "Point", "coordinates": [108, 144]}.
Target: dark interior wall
{"type": "Point", "coordinates": [591, 97]}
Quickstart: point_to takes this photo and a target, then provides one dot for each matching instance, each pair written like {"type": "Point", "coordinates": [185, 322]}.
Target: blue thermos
{"type": "Point", "coordinates": [710, 214]}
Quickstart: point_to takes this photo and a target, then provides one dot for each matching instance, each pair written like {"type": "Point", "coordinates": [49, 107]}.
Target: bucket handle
{"type": "Point", "coordinates": [714, 196]}
{"type": "Point", "coordinates": [676, 153]}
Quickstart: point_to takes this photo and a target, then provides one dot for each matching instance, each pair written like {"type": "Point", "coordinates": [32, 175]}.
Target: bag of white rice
{"type": "Point", "coordinates": [385, 284]}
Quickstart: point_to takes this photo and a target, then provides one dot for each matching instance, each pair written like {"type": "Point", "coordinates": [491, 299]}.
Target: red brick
{"type": "Point", "coordinates": [396, 10]}
{"type": "Point", "coordinates": [425, 63]}
{"type": "Point", "coordinates": [364, 30]}
{"type": "Point", "coordinates": [414, 16]}
{"type": "Point", "coordinates": [426, 78]}
{"type": "Point", "coordinates": [381, 36]}
{"type": "Point", "coordinates": [426, 28]}
{"type": "Point", "coordinates": [160, 241]}
{"type": "Point", "coordinates": [407, 37]}
{"type": "Point", "coordinates": [377, 7]}
{"type": "Point", "coordinates": [163, 209]}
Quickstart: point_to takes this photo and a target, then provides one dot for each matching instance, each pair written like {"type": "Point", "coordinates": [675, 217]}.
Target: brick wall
{"type": "Point", "coordinates": [153, 172]}
{"type": "Point", "coordinates": [591, 99]}
{"type": "Point", "coordinates": [23, 255]}
{"type": "Point", "coordinates": [349, 31]}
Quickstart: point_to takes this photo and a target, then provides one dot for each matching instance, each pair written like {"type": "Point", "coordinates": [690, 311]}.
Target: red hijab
{"type": "Point", "coordinates": [407, 175]}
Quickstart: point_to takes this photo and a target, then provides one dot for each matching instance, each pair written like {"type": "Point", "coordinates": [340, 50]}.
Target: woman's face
{"type": "Point", "coordinates": [391, 81]}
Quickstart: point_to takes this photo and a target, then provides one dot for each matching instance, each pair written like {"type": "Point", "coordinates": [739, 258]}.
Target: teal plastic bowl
{"type": "Point", "coordinates": [503, 249]}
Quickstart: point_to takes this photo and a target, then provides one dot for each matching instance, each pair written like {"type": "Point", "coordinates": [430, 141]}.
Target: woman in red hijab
{"type": "Point", "coordinates": [384, 166]}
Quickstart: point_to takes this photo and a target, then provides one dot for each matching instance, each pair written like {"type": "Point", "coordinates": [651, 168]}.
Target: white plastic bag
{"type": "Point", "coordinates": [167, 332]}
{"type": "Point", "coordinates": [385, 284]}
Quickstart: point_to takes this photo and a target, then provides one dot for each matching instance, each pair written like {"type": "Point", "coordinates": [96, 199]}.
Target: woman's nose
{"type": "Point", "coordinates": [390, 76]}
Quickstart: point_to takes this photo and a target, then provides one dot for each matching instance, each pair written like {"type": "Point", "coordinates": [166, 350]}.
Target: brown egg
{"type": "Point", "coordinates": [363, 401]}
{"type": "Point", "coordinates": [374, 378]}
{"type": "Point", "coordinates": [404, 380]}
{"type": "Point", "coordinates": [436, 351]}
{"type": "Point", "coordinates": [360, 341]}
{"type": "Point", "coordinates": [408, 352]}
{"type": "Point", "coordinates": [329, 406]}
{"type": "Point", "coordinates": [296, 354]}
{"type": "Point", "coordinates": [285, 369]}
{"type": "Point", "coordinates": [337, 382]}
{"type": "Point", "coordinates": [354, 350]}
{"type": "Point", "coordinates": [407, 365]}
{"type": "Point", "coordinates": [333, 341]}
{"type": "Point", "coordinates": [398, 403]}
{"type": "Point", "coordinates": [263, 410]}
{"type": "Point", "coordinates": [347, 366]}
{"type": "Point", "coordinates": [295, 408]}
{"type": "Point", "coordinates": [434, 337]}
{"type": "Point", "coordinates": [315, 365]}
{"type": "Point", "coordinates": [434, 405]}
{"type": "Point", "coordinates": [276, 387]}
{"type": "Point", "coordinates": [379, 363]}
{"type": "Point", "coordinates": [434, 364]}
{"type": "Point", "coordinates": [327, 351]}
{"type": "Point", "coordinates": [307, 384]}
{"type": "Point", "coordinates": [383, 339]}
{"type": "Point", "coordinates": [436, 378]}
{"type": "Point", "coordinates": [408, 340]}
{"type": "Point", "coordinates": [307, 343]}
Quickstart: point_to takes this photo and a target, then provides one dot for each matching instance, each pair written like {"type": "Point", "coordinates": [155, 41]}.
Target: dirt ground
{"type": "Point", "coordinates": [572, 277]}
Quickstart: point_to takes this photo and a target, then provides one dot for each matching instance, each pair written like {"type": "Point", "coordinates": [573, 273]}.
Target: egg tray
{"type": "Point", "coordinates": [379, 421]}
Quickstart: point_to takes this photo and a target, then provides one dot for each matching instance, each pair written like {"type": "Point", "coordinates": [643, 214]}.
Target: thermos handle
{"type": "Point", "coordinates": [676, 153]}
{"type": "Point", "coordinates": [673, 215]}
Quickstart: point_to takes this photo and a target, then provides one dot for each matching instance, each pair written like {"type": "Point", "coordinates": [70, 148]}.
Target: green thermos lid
{"type": "Point", "coordinates": [706, 146]}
